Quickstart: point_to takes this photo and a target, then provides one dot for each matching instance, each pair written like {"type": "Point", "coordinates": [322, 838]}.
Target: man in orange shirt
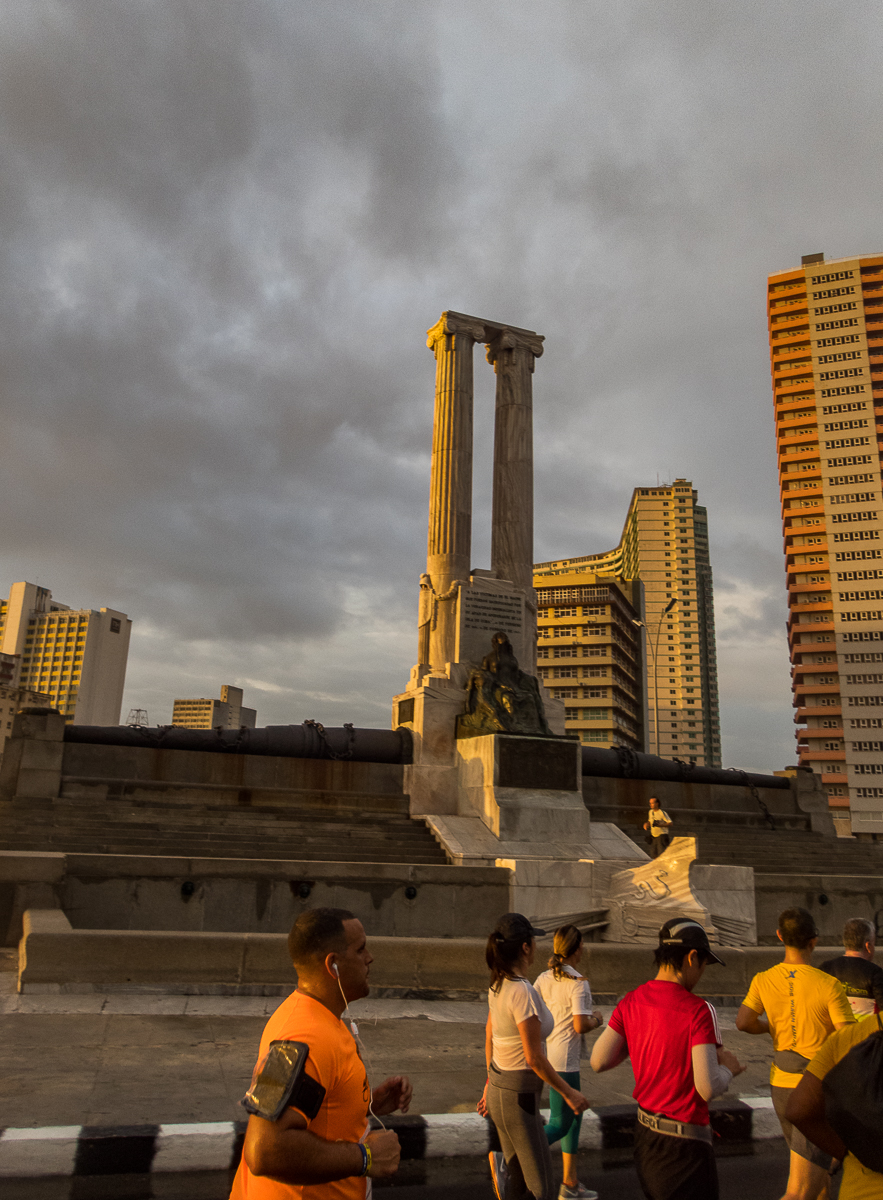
{"type": "Point", "coordinates": [318, 1147]}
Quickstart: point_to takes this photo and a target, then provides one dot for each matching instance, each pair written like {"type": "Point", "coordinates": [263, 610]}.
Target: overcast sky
{"type": "Point", "coordinates": [226, 227]}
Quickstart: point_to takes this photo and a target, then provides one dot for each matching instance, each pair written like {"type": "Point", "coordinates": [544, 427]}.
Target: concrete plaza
{"type": "Point", "coordinates": [128, 1059]}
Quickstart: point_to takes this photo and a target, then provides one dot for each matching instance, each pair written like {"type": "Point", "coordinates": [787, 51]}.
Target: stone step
{"type": "Point", "coordinates": [279, 828]}
{"type": "Point", "coordinates": [282, 852]}
{"type": "Point", "coordinates": [188, 795]}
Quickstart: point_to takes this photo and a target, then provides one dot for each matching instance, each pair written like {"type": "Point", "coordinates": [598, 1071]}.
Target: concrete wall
{"type": "Point", "coordinates": [54, 957]}
{"type": "Point", "coordinates": [803, 805]}
{"type": "Point", "coordinates": [135, 892]}
{"type": "Point", "coordinates": [244, 771]}
{"type": "Point", "coordinates": [832, 900]}
{"type": "Point", "coordinates": [37, 759]}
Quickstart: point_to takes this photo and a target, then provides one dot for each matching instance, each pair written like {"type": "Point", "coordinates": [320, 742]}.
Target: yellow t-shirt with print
{"type": "Point", "coordinates": [859, 1182]}
{"type": "Point", "coordinates": [802, 1005]}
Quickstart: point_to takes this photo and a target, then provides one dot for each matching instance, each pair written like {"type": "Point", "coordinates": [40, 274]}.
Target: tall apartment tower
{"type": "Point", "coordinates": [664, 545]}
{"type": "Point", "coordinates": [589, 653]}
{"type": "Point", "coordinates": [826, 354]}
{"type": "Point", "coordinates": [76, 658]}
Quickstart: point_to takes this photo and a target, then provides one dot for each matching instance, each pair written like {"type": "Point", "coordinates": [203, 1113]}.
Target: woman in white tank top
{"type": "Point", "coordinates": [518, 1024]}
{"type": "Point", "coordinates": [569, 997]}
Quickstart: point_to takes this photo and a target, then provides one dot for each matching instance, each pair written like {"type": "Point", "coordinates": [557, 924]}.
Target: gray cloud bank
{"type": "Point", "coordinates": [226, 228]}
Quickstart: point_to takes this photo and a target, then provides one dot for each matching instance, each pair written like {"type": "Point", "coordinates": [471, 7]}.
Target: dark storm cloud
{"type": "Point", "coordinates": [227, 226]}
{"type": "Point", "coordinates": [191, 361]}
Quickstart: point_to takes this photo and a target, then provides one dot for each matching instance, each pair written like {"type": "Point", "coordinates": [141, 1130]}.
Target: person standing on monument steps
{"type": "Point", "coordinates": [569, 998]}
{"type": "Point", "coordinates": [673, 1041]}
{"type": "Point", "coordinates": [799, 1007]}
{"type": "Point", "coordinates": [518, 1024]}
{"type": "Point", "coordinates": [658, 824]}
{"type": "Point", "coordinates": [308, 1134]}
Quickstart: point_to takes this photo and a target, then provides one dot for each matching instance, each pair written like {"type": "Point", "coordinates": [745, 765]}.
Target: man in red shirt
{"type": "Point", "coordinates": [673, 1040]}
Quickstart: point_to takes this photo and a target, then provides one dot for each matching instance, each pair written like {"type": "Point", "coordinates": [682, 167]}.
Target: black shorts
{"type": "Point", "coordinates": [797, 1141]}
{"type": "Point", "coordinates": [674, 1168]}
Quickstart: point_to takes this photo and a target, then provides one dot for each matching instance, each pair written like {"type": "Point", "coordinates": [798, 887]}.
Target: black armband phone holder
{"type": "Point", "coordinates": [280, 1081]}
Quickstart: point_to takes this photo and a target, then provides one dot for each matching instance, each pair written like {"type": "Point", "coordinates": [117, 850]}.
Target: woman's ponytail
{"type": "Point", "coordinates": [568, 940]}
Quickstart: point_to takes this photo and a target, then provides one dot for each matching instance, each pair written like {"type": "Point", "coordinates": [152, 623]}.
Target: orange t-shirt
{"type": "Point", "coordinates": [334, 1061]}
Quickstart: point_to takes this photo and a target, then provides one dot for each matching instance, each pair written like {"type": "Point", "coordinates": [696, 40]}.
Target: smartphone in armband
{"type": "Point", "coordinates": [280, 1081]}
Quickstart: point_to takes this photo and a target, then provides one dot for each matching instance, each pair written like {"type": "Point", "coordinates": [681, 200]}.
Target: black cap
{"type": "Point", "coordinates": [513, 927]}
{"type": "Point", "coordinates": [684, 931]}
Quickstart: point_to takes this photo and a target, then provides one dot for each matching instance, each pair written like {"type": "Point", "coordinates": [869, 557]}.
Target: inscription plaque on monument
{"type": "Point", "coordinates": [539, 763]}
{"type": "Point", "coordinates": [481, 615]}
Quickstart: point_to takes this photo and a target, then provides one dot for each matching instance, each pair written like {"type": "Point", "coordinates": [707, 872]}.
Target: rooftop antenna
{"type": "Point", "coordinates": [137, 719]}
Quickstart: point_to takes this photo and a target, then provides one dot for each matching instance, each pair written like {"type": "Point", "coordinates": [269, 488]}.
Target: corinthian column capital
{"type": "Point", "coordinates": [516, 340]}
{"type": "Point", "coordinates": [454, 323]}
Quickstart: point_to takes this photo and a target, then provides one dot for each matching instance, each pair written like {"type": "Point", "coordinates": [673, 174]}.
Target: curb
{"type": "Point", "coordinates": [68, 1150]}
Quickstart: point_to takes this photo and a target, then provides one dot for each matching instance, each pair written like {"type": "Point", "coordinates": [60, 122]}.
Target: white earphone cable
{"type": "Point", "coordinates": [355, 1030]}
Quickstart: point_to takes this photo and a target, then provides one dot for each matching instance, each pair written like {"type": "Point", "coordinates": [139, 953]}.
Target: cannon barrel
{"type": "Point", "coordinates": [310, 740]}
{"type": "Point", "coordinates": [629, 764]}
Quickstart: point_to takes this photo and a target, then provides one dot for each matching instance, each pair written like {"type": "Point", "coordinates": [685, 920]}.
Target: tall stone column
{"type": "Point", "coordinates": [449, 545]}
{"type": "Point", "coordinates": [513, 353]}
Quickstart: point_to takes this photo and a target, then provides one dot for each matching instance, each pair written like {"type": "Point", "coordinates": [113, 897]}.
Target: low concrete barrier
{"type": "Point", "coordinates": [54, 957]}
{"type": "Point", "coordinates": [255, 896]}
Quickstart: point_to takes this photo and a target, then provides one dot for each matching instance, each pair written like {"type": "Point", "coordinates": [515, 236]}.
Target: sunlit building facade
{"type": "Point", "coordinates": [664, 549]}
{"type": "Point", "coordinates": [589, 653]}
{"type": "Point", "coordinates": [228, 712]}
{"type": "Point", "coordinates": [76, 658]}
{"type": "Point", "coordinates": [826, 355]}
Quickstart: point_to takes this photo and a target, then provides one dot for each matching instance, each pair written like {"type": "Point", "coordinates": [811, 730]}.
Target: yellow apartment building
{"type": "Point", "coordinates": [826, 358]}
{"type": "Point", "coordinates": [663, 557]}
{"type": "Point", "coordinates": [589, 653]}
{"type": "Point", "coordinates": [75, 658]}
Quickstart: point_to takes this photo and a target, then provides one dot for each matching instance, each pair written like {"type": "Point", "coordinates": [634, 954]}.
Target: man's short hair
{"type": "Point", "coordinates": [797, 928]}
{"type": "Point", "coordinates": [316, 933]}
{"type": "Point", "coordinates": [673, 956]}
{"type": "Point", "coordinates": [856, 932]}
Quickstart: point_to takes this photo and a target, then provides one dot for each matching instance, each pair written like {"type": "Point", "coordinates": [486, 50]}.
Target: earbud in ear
{"type": "Point", "coordinates": [335, 970]}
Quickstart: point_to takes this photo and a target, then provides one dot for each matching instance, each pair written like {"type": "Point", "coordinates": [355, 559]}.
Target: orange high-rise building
{"type": "Point", "coordinates": [826, 353]}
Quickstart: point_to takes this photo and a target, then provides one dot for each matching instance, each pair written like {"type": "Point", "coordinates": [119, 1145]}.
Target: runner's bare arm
{"type": "Point", "coordinates": [537, 1061]}
{"type": "Point", "coordinates": [609, 1051]}
{"type": "Point", "coordinates": [394, 1093]}
{"type": "Point", "coordinates": [481, 1107]}
{"type": "Point", "coordinates": [749, 1021]}
{"type": "Point", "coordinates": [806, 1110]}
{"type": "Point", "coordinates": [287, 1151]}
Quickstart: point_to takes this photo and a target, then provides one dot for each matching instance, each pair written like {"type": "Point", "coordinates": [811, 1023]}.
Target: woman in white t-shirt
{"type": "Point", "coordinates": [518, 1024]}
{"type": "Point", "coordinates": [569, 999]}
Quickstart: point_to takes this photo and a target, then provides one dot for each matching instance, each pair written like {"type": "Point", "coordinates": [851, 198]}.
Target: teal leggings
{"type": "Point", "coordinates": [564, 1124]}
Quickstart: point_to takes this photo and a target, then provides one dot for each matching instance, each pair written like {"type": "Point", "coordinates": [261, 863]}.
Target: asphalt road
{"type": "Point", "coordinates": [759, 1171]}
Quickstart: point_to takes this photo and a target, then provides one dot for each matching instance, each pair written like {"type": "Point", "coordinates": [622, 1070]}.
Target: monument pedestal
{"type": "Point", "coordinates": [524, 789]}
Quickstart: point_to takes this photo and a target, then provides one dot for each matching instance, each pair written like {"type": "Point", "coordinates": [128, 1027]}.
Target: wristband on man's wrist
{"type": "Point", "coordinates": [366, 1157]}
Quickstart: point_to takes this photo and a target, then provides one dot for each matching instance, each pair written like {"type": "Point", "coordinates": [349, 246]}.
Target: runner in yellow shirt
{"type": "Point", "coordinates": [806, 1108]}
{"type": "Point", "coordinates": [799, 1006]}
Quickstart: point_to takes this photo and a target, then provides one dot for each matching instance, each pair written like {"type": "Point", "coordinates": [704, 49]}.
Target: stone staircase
{"type": "Point", "coordinates": [120, 817]}
{"type": "Point", "coordinates": [789, 852]}
{"type": "Point", "coordinates": [772, 852]}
